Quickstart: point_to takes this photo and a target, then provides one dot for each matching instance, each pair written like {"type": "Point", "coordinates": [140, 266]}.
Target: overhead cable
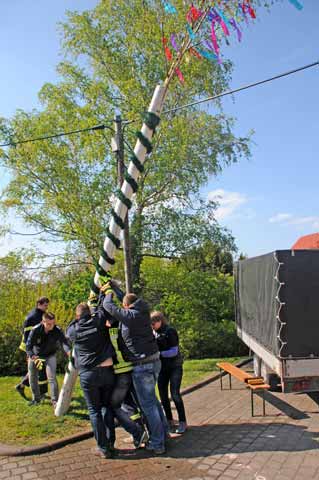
{"type": "Point", "coordinates": [56, 135]}
{"type": "Point", "coordinates": [175, 109]}
{"type": "Point", "coordinates": [245, 87]}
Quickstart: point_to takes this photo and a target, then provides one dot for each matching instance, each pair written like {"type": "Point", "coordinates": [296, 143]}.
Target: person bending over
{"type": "Point", "coordinates": [172, 370]}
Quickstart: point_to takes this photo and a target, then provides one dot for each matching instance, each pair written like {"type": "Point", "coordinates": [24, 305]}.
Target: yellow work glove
{"type": "Point", "coordinates": [106, 288]}
{"type": "Point", "coordinates": [92, 300]}
{"type": "Point", "coordinates": [39, 363]}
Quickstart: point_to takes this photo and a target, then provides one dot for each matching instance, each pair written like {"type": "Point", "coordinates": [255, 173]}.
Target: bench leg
{"type": "Point", "coordinates": [221, 379]}
{"type": "Point", "coordinates": [229, 381]}
{"type": "Point", "coordinates": [264, 406]}
{"type": "Point", "coordinates": [252, 402]}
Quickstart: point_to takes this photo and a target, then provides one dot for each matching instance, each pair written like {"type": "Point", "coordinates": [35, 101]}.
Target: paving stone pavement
{"type": "Point", "coordinates": [223, 442]}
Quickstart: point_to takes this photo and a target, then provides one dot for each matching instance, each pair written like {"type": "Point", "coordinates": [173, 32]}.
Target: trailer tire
{"type": "Point", "coordinates": [274, 381]}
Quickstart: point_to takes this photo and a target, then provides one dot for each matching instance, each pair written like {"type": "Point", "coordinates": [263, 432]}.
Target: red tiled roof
{"type": "Point", "coordinates": [308, 242]}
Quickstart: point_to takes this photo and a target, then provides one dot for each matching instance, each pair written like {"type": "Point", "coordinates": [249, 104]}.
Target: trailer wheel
{"type": "Point", "coordinates": [274, 382]}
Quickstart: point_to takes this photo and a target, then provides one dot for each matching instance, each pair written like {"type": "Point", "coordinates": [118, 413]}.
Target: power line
{"type": "Point", "coordinates": [245, 87]}
{"type": "Point", "coordinates": [175, 109]}
{"type": "Point", "coordinates": [56, 135]}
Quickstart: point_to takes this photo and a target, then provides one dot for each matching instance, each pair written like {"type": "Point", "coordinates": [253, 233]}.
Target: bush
{"type": "Point", "coordinates": [199, 304]}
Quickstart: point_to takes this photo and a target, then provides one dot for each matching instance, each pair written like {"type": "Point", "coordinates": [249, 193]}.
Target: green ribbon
{"type": "Point", "coordinates": [108, 259]}
{"type": "Point", "coordinates": [124, 199]}
{"type": "Point", "coordinates": [144, 141]}
{"type": "Point", "coordinates": [137, 163]}
{"type": "Point", "coordinates": [117, 219]}
{"type": "Point", "coordinates": [151, 120]}
{"type": "Point", "coordinates": [131, 181]}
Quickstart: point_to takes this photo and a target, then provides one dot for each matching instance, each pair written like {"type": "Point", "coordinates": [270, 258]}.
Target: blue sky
{"type": "Point", "coordinates": [268, 201]}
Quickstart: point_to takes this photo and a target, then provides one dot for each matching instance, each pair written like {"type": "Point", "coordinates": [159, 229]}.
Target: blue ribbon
{"type": "Point", "coordinates": [169, 8]}
{"type": "Point", "coordinates": [296, 4]}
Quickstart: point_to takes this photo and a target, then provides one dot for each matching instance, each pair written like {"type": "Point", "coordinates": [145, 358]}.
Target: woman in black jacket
{"type": "Point", "coordinates": [172, 370]}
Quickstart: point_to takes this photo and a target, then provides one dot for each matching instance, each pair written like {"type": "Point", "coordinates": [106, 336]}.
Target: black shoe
{"type": "Point", "coordinates": [20, 389]}
{"type": "Point", "coordinates": [33, 403]}
{"type": "Point", "coordinates": [113, 451]}
{"type": "Point", "coordinates": [139, 441]}
{"type": "Point", "coordinates": [155, 451]}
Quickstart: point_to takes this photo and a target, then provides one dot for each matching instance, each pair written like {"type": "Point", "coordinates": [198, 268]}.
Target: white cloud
{"type": "Point", "coordinates": [280, 218]}
{"type": "Point", "coordinates": [228, 202]}
{"type": "Point", "coordinates": [290, 219]}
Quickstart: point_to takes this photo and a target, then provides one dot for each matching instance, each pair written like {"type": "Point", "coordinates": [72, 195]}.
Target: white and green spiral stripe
{"type": "Point", "coordinates": [129, 187]}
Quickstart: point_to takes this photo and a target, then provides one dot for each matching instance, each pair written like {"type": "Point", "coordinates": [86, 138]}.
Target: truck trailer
{"type": "Point", "coordinates": [277, 316]}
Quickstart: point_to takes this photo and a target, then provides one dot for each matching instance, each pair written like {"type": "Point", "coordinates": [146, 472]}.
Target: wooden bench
{"type": "Point", "coordinates": [244, 377]}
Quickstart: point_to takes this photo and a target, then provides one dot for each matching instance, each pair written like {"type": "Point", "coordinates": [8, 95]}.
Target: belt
{"type": "Point", "coordinates": [150, 359]}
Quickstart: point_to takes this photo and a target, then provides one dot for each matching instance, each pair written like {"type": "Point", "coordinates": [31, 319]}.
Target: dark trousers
{"type": "Point", "coordinates": [123, 384]}
{"type": "Point", "coordinates": [172, 376]}
{"type": "Point", "coordinates": [97, 385]}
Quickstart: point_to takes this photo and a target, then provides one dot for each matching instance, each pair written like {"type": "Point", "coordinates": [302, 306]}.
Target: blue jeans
{"type": "Point", "coordinates": [144, 380]}
{"type": "Point", "coordinates": [97, 385]}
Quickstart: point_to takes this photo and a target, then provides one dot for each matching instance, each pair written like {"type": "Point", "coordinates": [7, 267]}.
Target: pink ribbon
{"type": "Point", "coordinates": [180, 75]}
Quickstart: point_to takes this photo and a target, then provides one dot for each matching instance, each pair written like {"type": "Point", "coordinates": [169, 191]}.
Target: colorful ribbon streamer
{"type": "Point", "coordinates": [173, 42]}
{"type": "Point", "coordinates": [168, 53]}
{"type": "Point", "coordinates": [180, 75]}
{"type": "Point", "coordinates": [296, 4]}
{"type": "Point", "coordinates": [223, 17]}
{"type": "Point", "coordinates": [169, 8]}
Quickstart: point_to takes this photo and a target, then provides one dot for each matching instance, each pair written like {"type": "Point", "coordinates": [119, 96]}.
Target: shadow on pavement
{"type": "Point", "coordinates": [246, 437]}
{"type": "Point", "coordinates": [286, 408]}
{"type": "Point", "coordinates": [205, 440]}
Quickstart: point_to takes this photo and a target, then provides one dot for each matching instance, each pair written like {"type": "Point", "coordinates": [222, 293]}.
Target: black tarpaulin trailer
{"type": "Point", "coordinates": [277, 315]}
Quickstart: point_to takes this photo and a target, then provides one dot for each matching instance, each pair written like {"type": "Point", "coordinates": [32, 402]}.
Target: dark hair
{"type": "Point", "coordinates": [48, 316]}
{"type": "Point", "coordinates": [42, 300]}
{"type": "Point", "coordinates": [82, 309]}
{"type": "Point", "coordinates": [129, 299]}
{"type": "Point", "coordinates": [158, 316]}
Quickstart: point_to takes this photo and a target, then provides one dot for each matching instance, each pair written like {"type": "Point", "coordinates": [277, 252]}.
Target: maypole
{"type": "Point", "coordinates": [216, 17]}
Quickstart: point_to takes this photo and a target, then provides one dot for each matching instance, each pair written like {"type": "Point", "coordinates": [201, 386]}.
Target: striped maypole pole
{"type": "Point", "coordinates": [129, 187]}
{"type": "Point", "coordinates": [112, 241]}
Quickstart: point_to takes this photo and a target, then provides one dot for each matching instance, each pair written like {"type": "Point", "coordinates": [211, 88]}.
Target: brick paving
{"type": "Point", "coordinates": [223, 442]}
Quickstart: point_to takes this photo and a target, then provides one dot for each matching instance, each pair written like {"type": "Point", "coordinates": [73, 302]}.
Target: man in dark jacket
{"type": "Point", "coordinates": [94, 355]}
{"type": "Point", "coordinates": [33, 318]}
{"type": "Point", "coordinates": [41, 347]}
{"type": "Point", "coordinates": [138, 345]}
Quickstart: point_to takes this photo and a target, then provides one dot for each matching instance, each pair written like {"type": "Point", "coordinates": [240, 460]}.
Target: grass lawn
{"type": "Point", "coordinates": [24, 425]}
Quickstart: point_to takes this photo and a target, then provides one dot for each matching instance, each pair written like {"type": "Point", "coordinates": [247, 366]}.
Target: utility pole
{"type": "Point", "coordinates": [118, 149]}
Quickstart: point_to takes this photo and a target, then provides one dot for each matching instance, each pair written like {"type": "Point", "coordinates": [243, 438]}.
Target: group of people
{"type": "Point", "coordinates": [121, 352]}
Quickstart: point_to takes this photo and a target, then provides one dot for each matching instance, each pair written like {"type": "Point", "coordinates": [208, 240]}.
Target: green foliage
{"type": "Point", "coordinates": [113, 60]}
{"type": "Point", "coordinates": [18, 295]}
{"type": "Point", "coordinates": [198, 303]}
